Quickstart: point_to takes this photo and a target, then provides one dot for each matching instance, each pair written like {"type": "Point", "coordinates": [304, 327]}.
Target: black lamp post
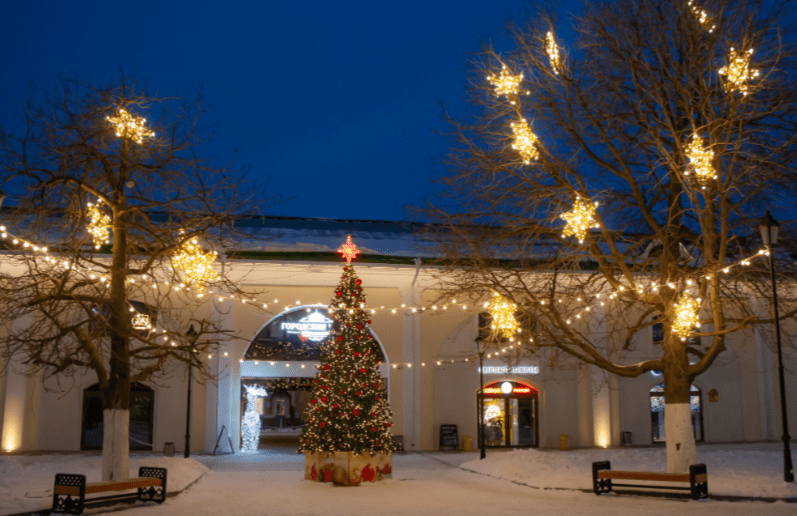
{"type": "Point", "coordinates": [189, 334]}
{"type": "Point", "coordinates": [482, 451]}
{"type": "Point", "coordinates": [769, 234]}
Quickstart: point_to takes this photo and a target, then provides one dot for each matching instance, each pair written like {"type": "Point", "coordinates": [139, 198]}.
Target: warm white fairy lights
{"type": "Point", "coordinates": [505, 83]}
{"type": "Point", "coordinates": [701, 15]}
{"type": "Point", "coordinates": [141, 322]}
{"type": "Point", "coordinates": [580, 219]}
{"type": "Point", "coordinates": [130, 127]}
{"type": "Point", "coordinates": [686, 318]}
{"type": "Point", "coordinates": [196, 263]}
{"type": "Point", "coordinates": [502, 313]}
{"type": "Point", "coordinates": [525, 141]}
{"type": "Point", "coordinates": [98, 224]}
{"type": "Point", "coordinates": [700, 161]}
{"type": "Point", "coordinates": [553, 52]}
{"type": "Point", "coordinates": [738, 71]}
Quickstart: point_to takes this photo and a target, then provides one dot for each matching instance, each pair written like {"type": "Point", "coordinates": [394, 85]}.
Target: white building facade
{"type": "Point", "coordinates": [429, 383]}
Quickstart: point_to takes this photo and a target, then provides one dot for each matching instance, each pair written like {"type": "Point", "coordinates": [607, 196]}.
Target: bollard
{"type": "Point", "coordinates": [467, 443]}
{"type": "Point", "coordinates": [564, 442]}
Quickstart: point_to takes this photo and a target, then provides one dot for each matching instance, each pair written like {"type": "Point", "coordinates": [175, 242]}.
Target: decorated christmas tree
{"type": "Point", "coordinates": [348, 408]}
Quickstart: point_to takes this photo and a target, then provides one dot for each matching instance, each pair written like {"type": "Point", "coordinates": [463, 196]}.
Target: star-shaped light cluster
{"type": "Point", "coordinates": [700, 161]}
{"type": "Point", "coordinates": [130, 127]}
{"type": "Point", "coordinates": [525, 141]}
{"type": "Point", "coordinates": [686, 318]}
{"type": "Point", "coordinates": [98, 225]}
{"type": "Point", "coordinates": [503, 316]}
{"type": "Point", "coordinates": [506, 83]}
{"type": "Point", "coordinates": [196, 263]}
{"type": "Point", "coordinates": [738, 71]}
{"type": "Point", "coordinates": [580, 219]}
{"type": "Point", "coordinates": [348, 250]}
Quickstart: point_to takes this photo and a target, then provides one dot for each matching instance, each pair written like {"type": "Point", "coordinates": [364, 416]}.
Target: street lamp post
{"type": "Point", "coordinates": [482, 451]}
{"type": "Point", "coordinates": [189, 334]}
{"type": "Point", "coordinates": [769, 234]}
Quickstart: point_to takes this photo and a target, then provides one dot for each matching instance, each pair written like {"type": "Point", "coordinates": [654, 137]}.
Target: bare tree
{"type": "Point", "coordinates": [662, 114]}
{"type": "Point", "coordinates": [112, 240]}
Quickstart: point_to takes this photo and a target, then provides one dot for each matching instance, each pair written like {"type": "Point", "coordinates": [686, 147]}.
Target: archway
{"type": "Point", "coordinates": [142, 411]}
{"type": "Point", "coordinates": [282, 357]}
{"type": "Point", "coordinates": [657, 412]}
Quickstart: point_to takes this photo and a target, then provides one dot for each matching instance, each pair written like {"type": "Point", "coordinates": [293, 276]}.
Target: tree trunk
{"type": "Point", "coordinates": [678, 433]}
{"type": "Point", "coordinates": [116, 444]}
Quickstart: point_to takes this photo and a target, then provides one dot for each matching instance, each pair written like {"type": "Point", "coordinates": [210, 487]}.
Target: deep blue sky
{"type": "Point", "coordinates": [334, 102]}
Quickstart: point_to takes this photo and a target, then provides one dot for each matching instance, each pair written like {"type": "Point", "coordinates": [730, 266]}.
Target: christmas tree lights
{"type": "Point", "coordinates": [250, 426]}
{"type": "Point", "coordinates": [502, 313]}
{"type": "Point", "coordinates": [348, 406]}
{"type": "Point", "coordinates": [686, 318]}
{"type": "Point", "coordinates": [196, 263]}
{"type": "Point", "coordinates": [738, 71]}
{"type": "Point", "coordinates": [553, 52]}
{"type": "Point", "coordinates": [130, 127]}
{"type": "Point", "coordinates": [700, 161]}
{"type": "Point", "coordinates": [98, 225]}
{"type": "Point", "coordinates": [506, 83]}
{"type": "Point", "coordinates": [580, 219]}
{"type": "Point", "coordinates": [525, 141]}
{"type": "Point", "coordinates": [701, 15]}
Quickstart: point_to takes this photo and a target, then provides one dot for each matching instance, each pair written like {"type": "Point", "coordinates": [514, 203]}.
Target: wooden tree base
{"type": "Point", "coordinates": [347, 468]}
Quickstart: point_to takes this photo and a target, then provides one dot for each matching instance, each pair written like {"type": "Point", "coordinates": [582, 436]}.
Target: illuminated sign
{"type": "Point", "coordinates": [507, 370]}
{"type": "Point", "coordinates": [314, 327]}
{"type": "Point", "coordinates": [514, 388]}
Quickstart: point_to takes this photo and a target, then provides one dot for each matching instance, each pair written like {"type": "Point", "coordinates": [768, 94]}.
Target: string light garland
{"type": "Point", "coordinates": [701, 15]}
{"type": "Point", "coordinates": [130, 127]}
{"type": "Point", "coordinates": [686, 318]}
{"type": "Point", "coordinates": [580, 219]}
{"type": "Point", "coordinates": [196, 263]}
{"type": "Point", "coordinates": [98, 225]}
{"type": "Point", "coordinates": [700, 161]}
{"type": "Point", "coordinates": [506, 83]}
{"type": "Point", "coordinates": [525, 141]}
{"type": "Point", "coordinates": [738, 71]}
{"type": "Point", "coordinates": [502, 313]}
{"type": "Point", "coordinates": [553, 52]}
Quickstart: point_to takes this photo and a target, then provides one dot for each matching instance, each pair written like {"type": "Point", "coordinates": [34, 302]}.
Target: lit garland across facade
{"type": "Point", "coordinates": [700, 161]}
{"type": "Point", "coordinates": [506, 83]}
{"type": "Point", "coordinates": [503, 316]}
{"type": "Point", "coordinates": [98, 225]}
{"type": "Point", "coordinates": [525, 141]}
{"type": "Point", "coordinates": [553, 52]}
{"type": "Point", "coordinates": [196, 263]}
{"type": "Point", "coordinates": [738, 71]}
{"type": "Point", "coordinates": [686, 318]}
{"type": "Point", "coordinates": [580, 219]}
{"type": "Point", "coordinates": [130, 127]}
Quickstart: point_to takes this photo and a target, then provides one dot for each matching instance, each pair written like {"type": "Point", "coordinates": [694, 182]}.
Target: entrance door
{"type": "Point", "coordinates": [510, 414]}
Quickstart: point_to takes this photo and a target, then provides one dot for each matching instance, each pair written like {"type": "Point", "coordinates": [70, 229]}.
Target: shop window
{"type": "Point", "coordinates": [510, 414]}
{"type": "Point", "coordinates": [142, 406]}
{"type": "Point", "coordinates": [657, 412]}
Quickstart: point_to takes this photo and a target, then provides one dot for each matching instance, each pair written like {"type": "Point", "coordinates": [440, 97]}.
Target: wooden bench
{"type": "Point", "coordinates": [697, 478]}
{"type": "Point", "coordinates": [70, 490]}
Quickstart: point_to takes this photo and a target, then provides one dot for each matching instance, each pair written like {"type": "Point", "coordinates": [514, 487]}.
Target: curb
{"type": "Point", "coordinates": [719, 498]}
{"type": "Point", "coordinates": [113, 505]}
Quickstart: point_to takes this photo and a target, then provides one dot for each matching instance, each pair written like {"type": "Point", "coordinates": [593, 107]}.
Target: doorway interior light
{"type": "Point", "coordinates": [506, 387]}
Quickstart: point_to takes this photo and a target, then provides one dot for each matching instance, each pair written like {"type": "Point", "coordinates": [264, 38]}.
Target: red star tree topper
{"type": "Point", "coordinates": [348, 407]}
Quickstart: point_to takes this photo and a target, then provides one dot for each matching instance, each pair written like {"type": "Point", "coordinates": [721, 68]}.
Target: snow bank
{"type": "Point", "coordinates": [26, 481]}
{"type": "Point", "coordinates": [730, 472]}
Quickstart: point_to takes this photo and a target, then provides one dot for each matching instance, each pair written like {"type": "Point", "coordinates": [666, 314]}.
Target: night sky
{"type": "Point", "coordinates": [333, 103]}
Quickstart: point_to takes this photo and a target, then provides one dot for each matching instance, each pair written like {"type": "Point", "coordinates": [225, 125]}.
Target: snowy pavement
{"type": "Point", "coordinates": [271, 483]}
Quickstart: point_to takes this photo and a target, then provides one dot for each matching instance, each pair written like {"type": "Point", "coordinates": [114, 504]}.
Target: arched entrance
{"type": "Point", "coordinates": [282, 358]}
{"type": "Point", "coordinates": [657, 412]}
{"type": "Point", "coordinates": [142, 411]}
{"type": "Point", "coordinates": [510, 414]}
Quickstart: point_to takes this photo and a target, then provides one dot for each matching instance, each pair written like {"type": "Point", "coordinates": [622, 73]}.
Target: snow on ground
{"type": "Point", "coordinates": [732, 470]}
{"type": "Point", "coordinates": [422, 485]}
{"type": "Point", "coordinates": [26, 481]}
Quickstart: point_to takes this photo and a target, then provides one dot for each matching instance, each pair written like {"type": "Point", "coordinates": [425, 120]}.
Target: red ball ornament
{"type": "Point", "coordinates": [323, 399]}
{"type": "Point", "coordinates": [369, 322]}
{"type": "Point", "coordinates": [356, 353]}
{"type": "Point", "coordinates": [341, 391]}
{"type": "Point", "coordinates": [373, 429]}
{"type": "Point", "coordinates": [376, 386]}
{"type": "Point", "coordinates": [356, 412]}
{"type": "Point", "coordinates": [338, 293]}
{"type": "Point", "coordinates": [357, 393]}
{"type": "Point", "coordinates": [363, 370]}
{"type": "Point", "coordinates": [376, 398]}
{"type": "Point", "coordinates": [389, 425]}
{"type": "Point", "coordinates": [326, 367]}
{"type": "Point", "coordinates": [359, 281]}
{"type": "Point", "coordinates": [312, 401]}
{"type": "Point", "coordinates": [340, 338]}
{"type": "Point", "coordinates": [337, 352]}
{"type": "Point", "coordinates": [322, 424]}
{"type": "Point", "coordinates": [334, 405]}
{"type": "Point", "coordinates": [373, 414]}
{"type": "Point", "coordinates": [360, 326]}
{"type": "Point", "coordinates": [345, 268]}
